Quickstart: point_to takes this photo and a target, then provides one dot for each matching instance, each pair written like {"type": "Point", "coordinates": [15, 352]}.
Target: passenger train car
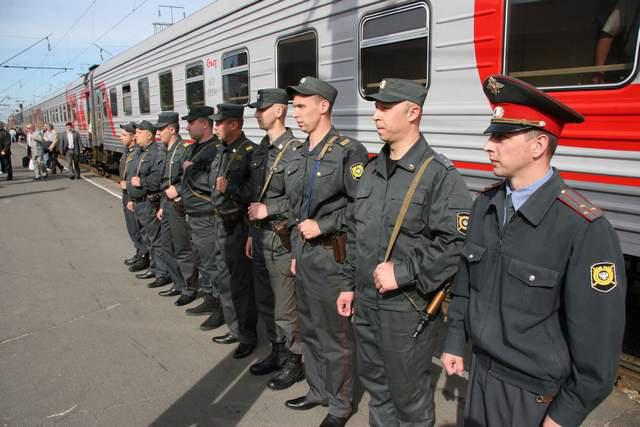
{"type": "Point", "coordinates": [227, 51]}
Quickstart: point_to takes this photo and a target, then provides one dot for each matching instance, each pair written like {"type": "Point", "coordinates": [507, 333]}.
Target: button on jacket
{"type": "Point", "coordinates": [173, 166]}
{"type": "Point", "coordinates": [543, 297]}
{"type": "Point", "coordinates": [196, 192]}
{"type": "Point", "coordinates": [148, 165]}
{"type": "Point", "coordinates": [233, 160]}
{"type": "Point", "coordinates": [427, 250]}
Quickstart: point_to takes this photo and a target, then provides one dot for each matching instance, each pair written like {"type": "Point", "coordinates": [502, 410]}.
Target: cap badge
{"type": "Point", "coordinates": [302, 80]}
{"type": "Point", "coordinates": [494, 86]}
{"type": "Point", "coordinates": [498, 112]}
{"type": "Point", "coordinates": [383, 84]}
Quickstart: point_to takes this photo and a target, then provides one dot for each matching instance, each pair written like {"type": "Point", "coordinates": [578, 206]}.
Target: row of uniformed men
{"type": "Point", "coordinates": [303, 235]}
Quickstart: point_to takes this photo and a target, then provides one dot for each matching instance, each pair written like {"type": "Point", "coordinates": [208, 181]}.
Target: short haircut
{"type": "Point", "coordinates": [69, 124]}
{"type": "Point", "coordinates": [174, 126]}
{"type": "Point", "coordinates": [553, 140]}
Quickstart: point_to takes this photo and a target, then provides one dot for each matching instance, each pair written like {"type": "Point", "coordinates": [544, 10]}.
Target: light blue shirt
{"type": "Point", "coordinates": [519, 197]}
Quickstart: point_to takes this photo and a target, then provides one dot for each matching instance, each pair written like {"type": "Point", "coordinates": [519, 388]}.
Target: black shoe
{"type": "Point", "coordinates": [72, 177]}
{"type": "Point", "coordinates": [271, 363]}
{"type": "Point", "coordinates": [300, 404]}
{"type": "Point", "coordinates": [169, 292]}
{"type": "Point", "coordinates": [159, 282]}
{"type": "Point", "coordinates": [132, 260]}
{"type": "Point", "coordinates": [214, 321]}
{"type": "Point", "coordinates": [225, 339]}
{"type": "Point", "coordinates": [207, 306]}
{"type": "Point", "coordinates": [146, 275]}
{"type": "Point", "coordinates": [185, 299]}
{"type": "Point", "coordinates": [37, 178]}
{"type": "Point", "coordinates": [141, 264]}
{"type": "Point", "coordinates": [291, 373]}
{"type": "Point", "coordinates": [243, 350]}
{"type": "Point", "coordinates": [333, 421]}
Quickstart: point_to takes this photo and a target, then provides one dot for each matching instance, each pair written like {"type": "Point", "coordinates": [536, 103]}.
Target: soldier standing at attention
{"type": "Point", "coordinates": [394, 367]}
{"type": "Point", "coordinates": [143, 188]}
{"type": "Point", "coordinates": [540, 289]}
{"type": "Point", "coordinates": [321, 183]}
{"type": "Point", "coordinates": [271, 258]}
{"type": "Point", "coordinates": [175, 238]}
{"type": "Point", "coordinates": [141, 258]}
{"type": "Point", "coordinates": [199, 209]}
{"type": "Point", "coordinates": [229, 181]}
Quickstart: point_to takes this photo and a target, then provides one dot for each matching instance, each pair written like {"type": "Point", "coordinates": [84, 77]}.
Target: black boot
{"type": "Point", "coordinates": [291, 373]}
{"type": "Point", "coordinates": [141, 264]}
{"type": "Point", "coordinates": [207, 306]}
{"type": "Point", "coordinates": [272, 363]}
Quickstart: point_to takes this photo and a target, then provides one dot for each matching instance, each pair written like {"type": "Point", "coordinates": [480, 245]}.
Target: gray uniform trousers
{"type": "Point", "coordinates": [235, 282]}
{"type": "Point", "coordinates": [207, 250]}
{"type": "Point", "coordinates": [177, 245]}
{"type": "Point", "coordinates": [270, 258]}
{"type": "Point", "coordinates": [169, 249]}
{"type": "Point", "coordinates": [394, 368]}
{"type": "Point", "coordinates": [328, 342]}
{"type": "Point", "coordinates": [493, 402]}
{"type": "Point", "coordinates": [134, 228]}
{"type": "Point", "coordinates": [264, 294]}
{"type": "Point", "coordinates": [151, 231]}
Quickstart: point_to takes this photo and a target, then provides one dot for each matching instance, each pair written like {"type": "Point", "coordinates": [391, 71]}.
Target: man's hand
{"type": "Point", "coordinates": [221, 184]}
{"type": "Point", "coordinates": [257, 211]}
{"type": "Point", "coordinates": [135, 181]}
{"type": "Point", "coordinates": [248, 248]}
{"type": "Point", "coordinates": [2, 153]}
{"type": "Point", "coordinates": [454, 365]}
{"type": "Point", "coordinates": [159, 214]}
{"type": "Point", "coordinates": [549, 422]}
{"type": "Point", "coordinates": [186, 164]}
{"type": "Point", "coordinates": [309, 229]}
{"type": "Point", "coordinates": [293, 266]}
{"type": "Point", "coordinates": [123, 184]}
{"type": "Point", "coordinates": [345, 304]}
{"type": "Point", "coordinates": [171, 192]}
{"type": "Point", "coordinates": [130, 206]}
{"type": "Point", "coordinates": [385, 278]}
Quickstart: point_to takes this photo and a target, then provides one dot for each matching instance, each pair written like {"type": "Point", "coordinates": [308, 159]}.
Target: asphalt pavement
{"type": "Point", "coordinates": [85, 343]}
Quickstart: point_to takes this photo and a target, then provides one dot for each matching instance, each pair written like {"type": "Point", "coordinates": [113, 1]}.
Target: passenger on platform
{"type": "Point", "coordinates": [321, 183]}
{"type": "Point", "coordinates": [5, 152]}
{"type": "Point", "coordinates": [229, 180]}
{"type": "Point", "coordinates": [540, 289]}
{"type": "Point", "coordinates": [176, 244]}
{"type": "Point", "coordinates": [139, 261]}
{"type": "Point", "coordinates": [72, 147]}
{"type": "Point", "coordinates": [54, 150]}
{"type": "Point", "coordinates": [196, 199]}
{"type": "Point", "coordinates": [36, 144]}
{"type": "Point", "coordinates": [270, 254]}
{"type": "Point", "coordinates": [143, 186]}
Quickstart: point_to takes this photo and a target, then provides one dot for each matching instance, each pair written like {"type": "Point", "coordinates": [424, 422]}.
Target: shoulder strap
{"type": "Point", "coordinates": [272, 169]}
{"type": "Point", "coordinates": [580, 204]}
{"type": "Point", "coordinates": [327, 147]}
{"type": "Point", "coordinates": [405, 207]}
{"type": "Point", "coordinates": [140, 163]}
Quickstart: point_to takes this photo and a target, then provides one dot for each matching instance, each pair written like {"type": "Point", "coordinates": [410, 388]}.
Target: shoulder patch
{"type": "Point", "coordinates": [603, 276]}
{"type": "Point", "coordinates": [579, 204]}
{"type": "Point", "coordinates": [443, 160]}
{"type": "Point", "coordinates": [357, 170]}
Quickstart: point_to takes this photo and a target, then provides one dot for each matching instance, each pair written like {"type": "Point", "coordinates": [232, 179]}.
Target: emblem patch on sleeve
{"type": "Point", "coordinates": [603, 276]}
{"type": "Point", "coordinates": [357, 170]}
{"type": "Point", "coordinates": [462, 222]}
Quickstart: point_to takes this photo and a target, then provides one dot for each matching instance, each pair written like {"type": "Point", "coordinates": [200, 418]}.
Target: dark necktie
{"type": "Point", "coordinates": [510, 211]}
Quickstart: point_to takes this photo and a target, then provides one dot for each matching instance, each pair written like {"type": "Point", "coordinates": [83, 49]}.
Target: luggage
{"type": "Point", "coordinates": [25, 162]}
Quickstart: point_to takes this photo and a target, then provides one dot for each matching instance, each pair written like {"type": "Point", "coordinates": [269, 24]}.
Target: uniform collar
{"type": "Point", "coordinates": [411, 161]}
{"type": "Point", "coordinates": [279, 143]}
{"type": "Point", "coordinates": [305, 151]}
{"type": "Point", "coordinates": [235, 144]}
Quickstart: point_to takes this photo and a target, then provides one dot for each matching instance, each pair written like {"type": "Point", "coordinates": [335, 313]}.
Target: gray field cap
{"type": "Point", "coordinates": [146, 125]}
{"type": "Point", "coordinates": [165, 118]}
{"type": "Point", "coordinates": [268, 97]}
{"type": "Point", "coordinates": [398, 90]}
{"type": "Point", "coordinates": [199, 113]}
{"type": "Point", "coordinates": [228, 111]}
{"type": "Point", "coordinates": [312, 86]}
{"type": "Point", "coordinates": [130, 127]}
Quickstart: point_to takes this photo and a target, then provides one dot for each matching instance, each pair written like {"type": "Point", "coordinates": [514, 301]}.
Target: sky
{"type": "Point", "coordinates": [74, 28]}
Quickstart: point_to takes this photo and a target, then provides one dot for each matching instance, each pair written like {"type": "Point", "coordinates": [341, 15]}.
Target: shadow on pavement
{"type": "Point", "coordinates": [9, 196]}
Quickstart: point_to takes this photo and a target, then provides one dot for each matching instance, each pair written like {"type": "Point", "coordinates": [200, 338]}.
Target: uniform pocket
{"type": "Point", "coordinates": [473, 254]}
{"type": "Point", "coordinates": [413, 223]}
{"type": "Point", "coordinates": [531, 287]}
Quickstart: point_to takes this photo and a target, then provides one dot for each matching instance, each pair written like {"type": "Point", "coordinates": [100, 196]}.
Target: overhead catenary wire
{"type": "Point", "coordinates": [27, 48]}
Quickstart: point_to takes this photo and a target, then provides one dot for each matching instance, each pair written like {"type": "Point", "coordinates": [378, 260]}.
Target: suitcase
{"type": "Point", "coordinates": [25, 162]}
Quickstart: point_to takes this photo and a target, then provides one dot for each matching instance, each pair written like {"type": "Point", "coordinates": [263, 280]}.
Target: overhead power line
{"type": "Point", "coordinates": [69, 30]}
{"type": "Point", "coordinates": [26, 49]}
{"type": "Point", "coordinates": [35, 67]}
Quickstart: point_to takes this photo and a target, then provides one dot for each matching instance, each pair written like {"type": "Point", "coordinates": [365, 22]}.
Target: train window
{"type": "Point", "coordinates": [126, 99]}
{"type": "Point", "coordinates": [143, 95]}
{"type": "Point", "coordinates": [394, 43]}
{"type": "Point", "coordinates": [235, 77]}
{"type": "Point", "coordinates": [113, 100]}
{"type": "Point", "coordinates": [195, 85]}
{"type": "Point", "coordinates": [572, 44]}
{"type": "Point", "coordinates": [166, 91]}
{"type": "Point", "coordinates": [297, 56]}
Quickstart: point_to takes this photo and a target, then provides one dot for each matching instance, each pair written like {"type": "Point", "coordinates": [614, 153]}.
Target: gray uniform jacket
{"type": "Point", "coordinates": [428, 247]}
{"type": "Point", "coordinates": [196, 191]}
{"type": "Point", "coordinates": [123, 167]}
{"type": "Point", "coordinates": [232, 159]}
{"type": "Point", "coordinates": [261, 162]}
{"type": "Point", "coordinates": [334, 186]}
{"type": "Point", "coordinates": [148, 164]}
{"type": "Point", "coordinates": [543, 297]}
{"type": "Point", "coordinates": [172, 174]}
